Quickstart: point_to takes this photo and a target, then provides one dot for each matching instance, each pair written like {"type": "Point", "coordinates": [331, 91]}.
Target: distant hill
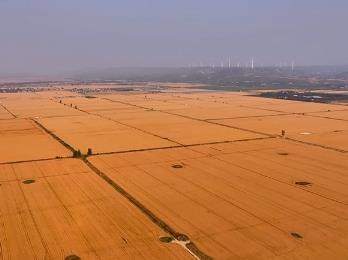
{"type": "Point", "coordinates": [343, 75]}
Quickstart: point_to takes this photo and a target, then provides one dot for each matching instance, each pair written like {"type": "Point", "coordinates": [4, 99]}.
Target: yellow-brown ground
{"type": "Point", "coordinates": [237, 189]}
{"type": "Point", "coordinates": [101, 135]}
{"type": "Point", "coordinates": [317, 130]}
{"type": "Point", "coordinates": [240, 200]}
{"type": "Point", "coordinates": [23, 140]}
{"type": "Point", "coordinates": [4, 114]}
{"type": "Point", "coordinates": [69, 210]}
{"type": "Point", "coordinates": [27, 105]}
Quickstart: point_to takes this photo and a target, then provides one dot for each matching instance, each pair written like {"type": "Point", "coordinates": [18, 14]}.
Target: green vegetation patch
{"type": "Point", "coordinates": [303, 183]}
{"type": "Point", "coordinates": [296, 235]}
{"type": "Point", "coordinates": [166, 239]}
{"type": "Point", "coordinates": [182, 237]}
{"type": "Point", "coordinates": [177, 166]}
{"type": "Point", "coordinates": [28, 181]}
{"type": "Point", "coordinates": [77, 154]}
{"type": "Point", "coordinates": [72, 257]}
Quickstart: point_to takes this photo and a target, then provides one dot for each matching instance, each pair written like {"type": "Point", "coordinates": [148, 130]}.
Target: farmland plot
{"type": "Point", "coordinates": [59, 208]}
{"type": "Point", "coordinates": [101, 135]}
{"type": "Point", "coordinates": [22, 140]}
{"type": "Point", "coordinates": [260, 199]}
{"type": "Point", "coordinates": [321, 131]}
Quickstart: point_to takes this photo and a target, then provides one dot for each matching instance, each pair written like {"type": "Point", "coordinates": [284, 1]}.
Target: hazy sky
{"type": "Point", "coordinates": [63, 35]}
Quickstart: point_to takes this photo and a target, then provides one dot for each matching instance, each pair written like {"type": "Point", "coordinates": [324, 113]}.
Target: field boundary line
{"type": "Point", "coordinates": [45, 159]}
{"type": "Point", "coordinates": [280, 181]}
{"type": "Point", "coordinates": [37, 160]}
{"type": "Point", "coordinates": [241, 117]}
{"type": "Point", "coordinates": [66, 145]}
{"type": "Point", "coordinates": [130, 126]}
{"type": "Point", "coordinates": [296, 113]}
{"type": "Point", "coordinates": [242, 129]}
{"type": "Point", "coordinates": [183, 146]}
{"type": "Point", "coordinates": [224, 125]}
{"type": "Point", "coordinates": [136, 128]}
{"type": "Point", "coordinates": [317, 145]}
{"type": "Point", "coordinates": [326, 117]}
{"type": "Point", "coordinates": [192, 118]}
{"type": "Point", "coordinates": [302, 101]}
{"type": "Point", "coordinates": [14, 116]}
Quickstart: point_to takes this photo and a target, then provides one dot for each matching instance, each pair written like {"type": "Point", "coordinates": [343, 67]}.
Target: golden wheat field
{"type": "Point", "coordinates": [68, 210]}
{"type": "Point", "coordinates": [177, 174]}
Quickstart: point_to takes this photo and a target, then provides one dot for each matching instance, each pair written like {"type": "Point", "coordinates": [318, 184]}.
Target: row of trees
{"type": "Point", "coordinates": [71, 105]}
{"type": "Point", "coordinates": [78, 154]}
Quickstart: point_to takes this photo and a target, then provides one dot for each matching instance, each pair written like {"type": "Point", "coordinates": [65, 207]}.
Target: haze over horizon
{"type": "Point", "coordinates": [61, 36]}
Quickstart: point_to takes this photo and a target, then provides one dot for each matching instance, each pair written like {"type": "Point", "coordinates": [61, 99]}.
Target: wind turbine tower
{"type": "Point", "coordinates": [252, 63]}
{"type": "Point", "coordinates": [229, 62]}
{"type": "Point", "coordinates": [292, 66]}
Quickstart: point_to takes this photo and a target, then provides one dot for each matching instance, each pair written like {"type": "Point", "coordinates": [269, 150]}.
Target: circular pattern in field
{"type": "Point", "coordinates": [72, 257]}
